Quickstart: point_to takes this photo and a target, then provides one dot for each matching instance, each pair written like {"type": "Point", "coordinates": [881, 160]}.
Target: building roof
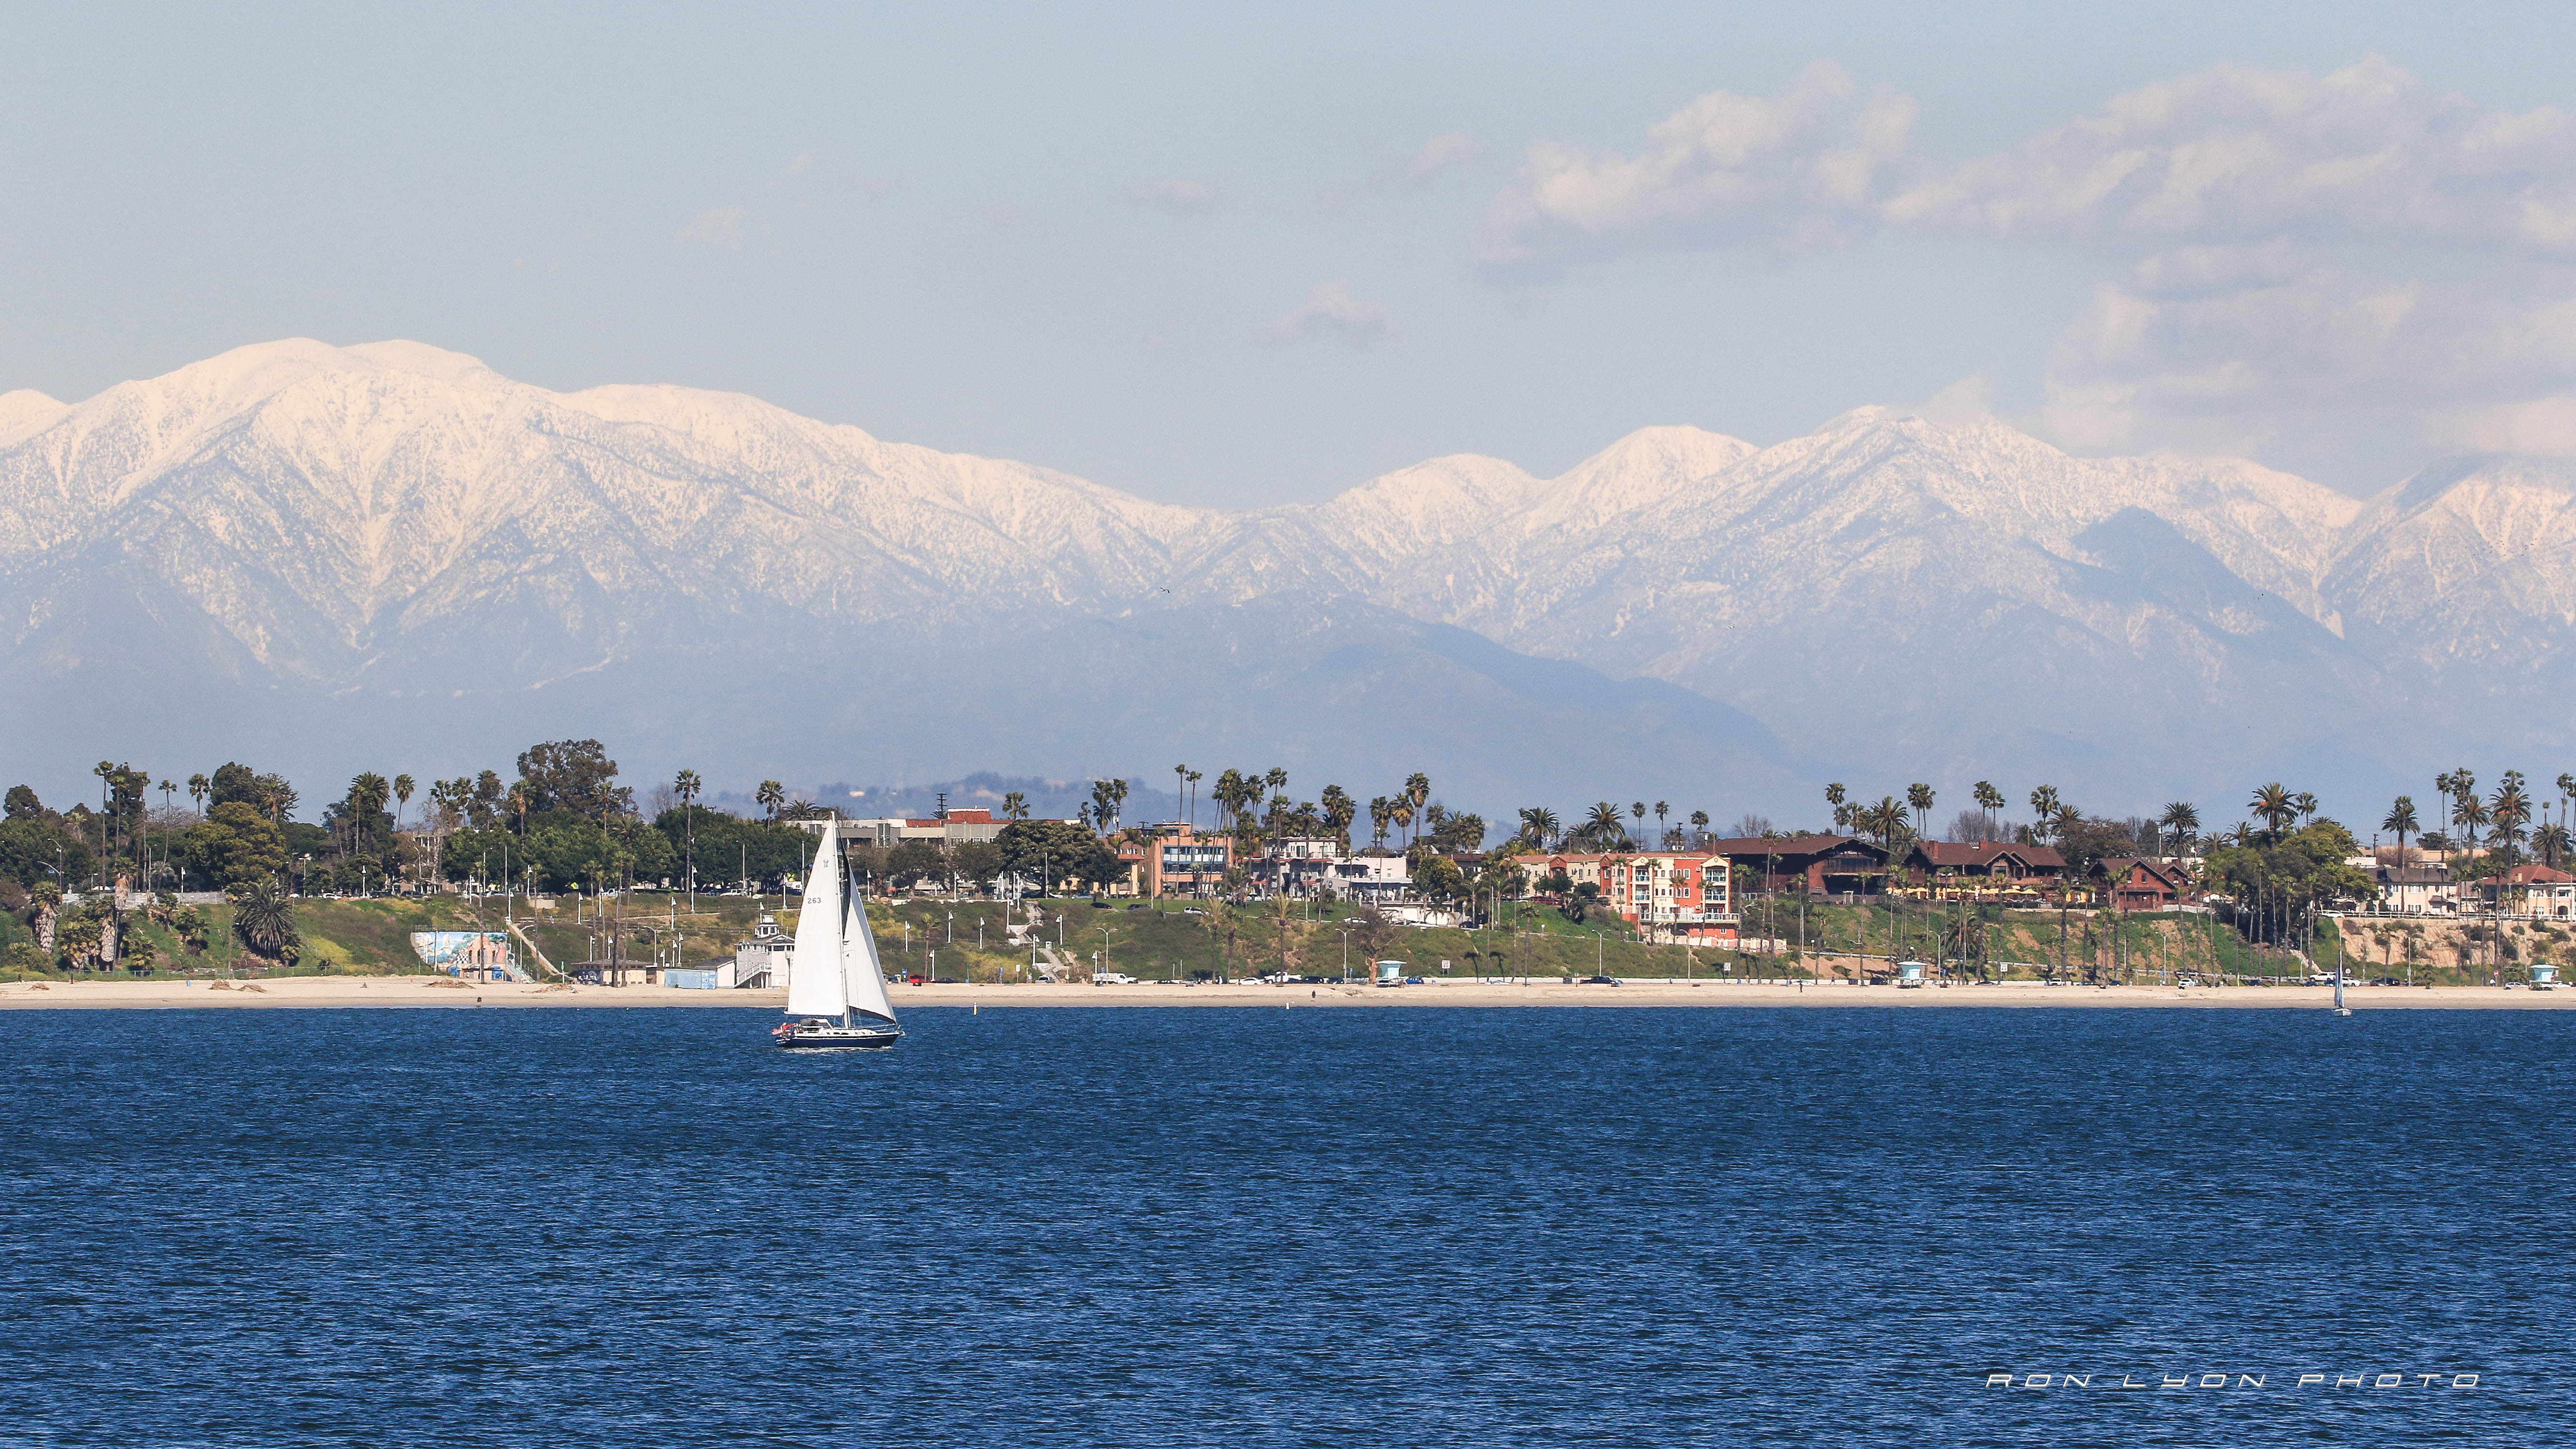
{"type": "Point", "coordinates": [2116, 866]}
{"type": "Point", "coordinates": [1787, 847]}
{"type": "Point", "coordinates": [2536, 875]}
{"type": "Point", "coordinates": [2415, 875]}
{"type": "Point", "coordinates": [1953, 854]}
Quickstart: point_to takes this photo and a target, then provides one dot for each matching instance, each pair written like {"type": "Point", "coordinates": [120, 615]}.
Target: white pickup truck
{"type": "Point", "coordinates": [1113, 978]}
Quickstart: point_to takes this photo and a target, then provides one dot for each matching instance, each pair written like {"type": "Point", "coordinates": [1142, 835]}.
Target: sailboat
{"type": "Point", "coordinates": [836, 994]}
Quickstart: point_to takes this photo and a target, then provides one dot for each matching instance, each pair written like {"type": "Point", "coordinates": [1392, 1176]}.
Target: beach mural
{"type": "Point", "coordinates": [468, 953]}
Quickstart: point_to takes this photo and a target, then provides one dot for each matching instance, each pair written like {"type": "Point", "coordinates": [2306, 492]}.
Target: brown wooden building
{"type": "Point", "coordinates": [2138, 883]}
{"type": "Point", "coordinates": [1835, 864]}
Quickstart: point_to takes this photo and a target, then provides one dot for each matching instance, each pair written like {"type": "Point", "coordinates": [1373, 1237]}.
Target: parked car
{"type": "Point", "coordinates": [1598, 981]}
{"type": "Point", "coordinates": [1413, 981]}
{"type": "Point", "coordinates": [1114, 978]}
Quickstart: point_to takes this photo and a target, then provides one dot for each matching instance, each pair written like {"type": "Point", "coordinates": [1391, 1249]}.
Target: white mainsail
{"type": "Point", "coordinates": [859, 961]}
{"type": "Point", "coordinates": [817, 985]}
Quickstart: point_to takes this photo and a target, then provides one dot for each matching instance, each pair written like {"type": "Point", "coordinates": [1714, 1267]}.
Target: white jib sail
{"type": "Point", "coordinates": [859, 959]}
{"type": "Point", "coordinates": [816, 983]}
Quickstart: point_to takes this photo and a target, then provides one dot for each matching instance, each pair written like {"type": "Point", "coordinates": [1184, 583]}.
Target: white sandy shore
{"type": "Point", "coordinates": [424, 991]}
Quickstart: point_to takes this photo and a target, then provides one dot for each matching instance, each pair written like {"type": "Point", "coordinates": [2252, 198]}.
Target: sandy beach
{"type": "Point", "coordinates": [433, 992]}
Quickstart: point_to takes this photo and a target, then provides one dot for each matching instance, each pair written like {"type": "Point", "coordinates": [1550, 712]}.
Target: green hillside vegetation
{"type": "Point", "coordinates": [1186, 940]}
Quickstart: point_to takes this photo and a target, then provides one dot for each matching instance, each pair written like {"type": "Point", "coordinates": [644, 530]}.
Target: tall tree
{"type": "Point", "coordinates": [2043, 809]}
{"type": "Point", "coordinates": [1339, 811]}
{"type": "Point", "coordinates": [574, 775]}
{"type": "Point", "coordinates": [685, 786]}
{"type": "Point", "coordinates": [1601, 827]}
{"type": "Point", "coordinates": [1919, 798]}
{"type": "Point", "coordinates": [1699, 828]}
{"type": "Point", "coordinates": [2272, 804]}
{"type": "Point", "coordinates": [2401, 820]}
{"type": "Point", "coordinates": [2510, 811]}
{"type": "Point", "coordinates": [770, 797]}
{"type": "Point", "coordinates": [1989, 799]}
{"type": "Point", "coordinates": [2181, 822]}
{"type": "Point", "coordinates": [1538, 826]}
{"type": "Point", "coordinates": [402, 798]}
{"type": "Point", "coordinates": [1417, 790]}
{"type": "Point", "coordinates": [1015, 806]}
{"type": "Point", "coordinates": [1660, 831]}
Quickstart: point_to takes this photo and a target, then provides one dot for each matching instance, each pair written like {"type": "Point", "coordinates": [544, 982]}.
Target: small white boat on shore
{"type": "Point", "coordinates": [836, 996]}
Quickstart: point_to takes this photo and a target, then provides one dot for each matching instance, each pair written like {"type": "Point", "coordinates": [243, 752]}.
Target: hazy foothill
{"type": "Point", "coordinates": [234, 871]}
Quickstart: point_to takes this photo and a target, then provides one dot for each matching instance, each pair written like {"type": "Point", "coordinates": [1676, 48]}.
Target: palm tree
{"type": "Point", "coordinates": [1015, 806]}
{"type": "Point", "coordinates": [402, 798]}
{"type": "Point", "coordinates": [367, 795]}
{"type": "Point", "coordinates": [2066, 819]}
{"type": "Point", "coordinates": [265, 923]}
{"type": "Point", "coordinates": [2181, 822]}
{"type": "Point", "coordinates": [2043, 809]}
{"type": "Point", "coordinates": [2511, 811]}
{"type": "Point", "coordinates": [1639, 811]}
{"type": "Point", "coordinates": [1537, 824]}
{"type": "Point", "coordinates": [1417, 788]}
{"type": "Point", "coordinates": [1601, 826]}
{"type": "Point", "coordinates": [686, 785]}
{"type": "Point", "coordinates": [2456, 785]}
{"type": "Point", "coordinates": [1918, 798]}
{"type": "Point", "coordinates": [1662, 836]}
{"type": "Point", "coordinates": [1990, 800]}
{"type": "Point", "coordinates": [2473, 817]}
{"type": "Point", "coordinates": [2306, 804]}
{"type": "Point", "coordinates": [1402, 814]}
{"type": "Point", "coordinates": [1699, 827]}
{"type": "Point", "coordinates": [198, 788]}
{"type": "Point", "coordinates": [2273, 805]}
{"type": "Point", "coordinates": [770, 796]}
{"type": "Point", "coordinates": [1381, 811]}
{"type": "Point", "coordinates": [1180, 785]}
{"type": "Point", "coordinates": [2550, 843]}
{"type": "Point", "coordinates": [1339, 811]}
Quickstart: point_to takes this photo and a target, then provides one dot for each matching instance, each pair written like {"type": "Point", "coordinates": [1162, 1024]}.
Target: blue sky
{"type": "Point", "coordinates": [1237, 255]}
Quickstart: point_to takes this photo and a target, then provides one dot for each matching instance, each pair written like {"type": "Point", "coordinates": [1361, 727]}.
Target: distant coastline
{"type": "Point", "coordinates": [434, 992]}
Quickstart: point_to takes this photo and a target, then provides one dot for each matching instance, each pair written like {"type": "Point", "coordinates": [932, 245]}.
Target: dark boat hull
{"type": "Point", "coordinates": [838, 1038]}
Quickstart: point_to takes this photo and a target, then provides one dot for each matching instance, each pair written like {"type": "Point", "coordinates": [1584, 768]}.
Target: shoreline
{"type": "Point", "coordinates": [433, 992]}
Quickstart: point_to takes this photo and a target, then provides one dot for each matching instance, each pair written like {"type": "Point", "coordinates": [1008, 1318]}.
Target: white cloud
{"type": "Point", "coordinates": [1439, 154]}
{"type": "Point", "coordinates": [1809, 166]}
{"type": "Point", "coordinates": [1178, 197]}
{"type": "Point", "coordinates": [2290, 246]}
{"type": "Point", "coordinates": [2242, 363]}
{"type": "Point", "coordinates": [2237, 154]}
{"type": "Point", "coordinates": [1331, 311]}
{"type": "Point", "coordinates": [719, 227]}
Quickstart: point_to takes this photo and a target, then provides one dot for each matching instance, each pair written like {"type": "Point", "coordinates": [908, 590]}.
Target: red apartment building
{"type": "Point", "coordinates": [1670, 895]}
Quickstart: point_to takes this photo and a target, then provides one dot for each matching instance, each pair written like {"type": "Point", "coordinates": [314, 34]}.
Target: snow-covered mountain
{"type": "Point", "coordinates": [390, 548]}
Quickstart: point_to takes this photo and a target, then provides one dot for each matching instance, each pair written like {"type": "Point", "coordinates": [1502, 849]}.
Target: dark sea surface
{"type": "Point", "coordinates": [1308, 1227]}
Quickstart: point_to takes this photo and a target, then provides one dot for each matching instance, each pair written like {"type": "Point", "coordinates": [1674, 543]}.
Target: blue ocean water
{"type": "Point", "coordinates": [1308, 1227]}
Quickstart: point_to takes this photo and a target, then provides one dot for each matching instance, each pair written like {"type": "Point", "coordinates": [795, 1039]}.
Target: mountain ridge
{"type": "Point", "coordinates": [393, 520]}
